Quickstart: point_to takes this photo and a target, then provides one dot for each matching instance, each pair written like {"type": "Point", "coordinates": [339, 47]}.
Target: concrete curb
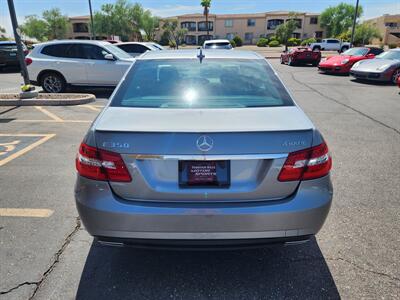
{"type": "Point", "coordinates": [45, 100]}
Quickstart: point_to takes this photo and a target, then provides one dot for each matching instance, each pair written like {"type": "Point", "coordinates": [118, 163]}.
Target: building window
{"type": "Point", "coordinates": [298, 22]}
{"type": "Point", "coordinates": [314, 20]}
{"type": "Point", "coordinates": [190, 26]}
{"type": "Point", "coordinates": [202, 26]}
{"type": "Point", "coordinates": [80, 27]}
{"type": "Point", "coordinates": [190, 40]}
{"type": "Point", "coordinates": [272, 24]}
{"type": "Point", "coordinates": [391, 24]}
{"type": "Point", "coordinates": [228, 23]}
{"type": "Point", "coordinates": [251, 22]}
{"type": "Point", "coordinates": [230, 36]}
{"type": "Point", "coordinates": [203, 38]}
{"type": "Point", "coordinates": [318, 34]}
{"type": "Point", "coordinates": [296, 35]}
{"type": "Point", "coordinates": [248, 36]}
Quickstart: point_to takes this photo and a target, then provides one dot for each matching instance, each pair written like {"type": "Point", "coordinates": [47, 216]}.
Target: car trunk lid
{"type": "Point", "coordinates": [253, 143]}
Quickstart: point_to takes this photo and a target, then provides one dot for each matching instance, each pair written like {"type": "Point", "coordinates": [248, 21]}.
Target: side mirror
{"type": "Point", "coordinates": [109, 56]}
{"type": "Point", "coordinates": [370, 55]}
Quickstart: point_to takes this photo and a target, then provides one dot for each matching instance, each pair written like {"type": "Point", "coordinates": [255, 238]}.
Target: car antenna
{"type": "Point", "coordinates": [201, 56]}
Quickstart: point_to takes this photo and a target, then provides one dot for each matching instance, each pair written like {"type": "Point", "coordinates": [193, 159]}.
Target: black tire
{"type": "Point", "coordinates": [395, 76]}
{"type": "Point", "coordinates": [315, 64]}
{"type": "Point", "coordinates": [53, 82]}
{"type": "Point", "coordinates": [281, 59]}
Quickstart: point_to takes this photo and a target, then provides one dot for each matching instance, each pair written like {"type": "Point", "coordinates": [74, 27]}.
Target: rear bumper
{"type": "Point", "coordinates": [7, 63]}
{"type": "Point", "coordinates": [111, 218]}
{"type": "Point", "coordinates": [306, 60]}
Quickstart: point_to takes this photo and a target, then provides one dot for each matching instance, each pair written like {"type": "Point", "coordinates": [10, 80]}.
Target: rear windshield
{"type": "Point", "coordinates": [214, 83]}
{"type": "Point", "coordinates": [221, 45]}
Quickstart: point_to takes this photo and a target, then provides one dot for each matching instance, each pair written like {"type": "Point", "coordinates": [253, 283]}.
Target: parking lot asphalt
{"type": "Point", "coordinates": [45, 252]}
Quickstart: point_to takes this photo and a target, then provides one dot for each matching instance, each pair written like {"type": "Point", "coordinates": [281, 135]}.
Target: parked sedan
{"type": "Point", "coordinates": [136, 48]}
{"type": "Point", "coordinates": [55, 65]}
{"type": "Point", "coordinates": [385, 67]}
{"type": "Point", "coordinates": [341, 64]}
{"type": "Point", "coordinates": [301, 55]}
{"type": "Point", "coordinates": [202, 148]}
{"type": "Point", "coordinates": [9, 55]}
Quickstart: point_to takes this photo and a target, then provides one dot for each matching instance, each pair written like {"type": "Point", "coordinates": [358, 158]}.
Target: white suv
{"type": "Point", "coordinates": [55, 65]}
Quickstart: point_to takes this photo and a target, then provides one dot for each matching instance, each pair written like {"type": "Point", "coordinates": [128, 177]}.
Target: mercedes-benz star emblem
{"type": "Point", "coordinates": [204, 143]}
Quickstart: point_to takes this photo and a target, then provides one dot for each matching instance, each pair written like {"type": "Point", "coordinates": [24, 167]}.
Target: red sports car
{"type": "Point", "coordinates": [341, 64]}
{"type": "Point", "coordinates": [301, 55]}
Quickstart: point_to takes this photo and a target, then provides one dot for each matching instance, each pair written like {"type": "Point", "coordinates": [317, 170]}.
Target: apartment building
{"type": "Point", "coordinates": [250, 27]}
{"type": "Point", "coordinates": [389, 28]}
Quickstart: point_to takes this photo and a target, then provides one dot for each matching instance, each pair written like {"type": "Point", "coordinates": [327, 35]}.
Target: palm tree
{"type": "Point", "coordinates": [206, 4]}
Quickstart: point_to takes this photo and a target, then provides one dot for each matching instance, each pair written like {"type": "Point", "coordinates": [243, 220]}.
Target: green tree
{"type": "Point", "coordinates": [35, 27]}
{"type": "Point", "coordinates": [206, 4]}
{"type": "Point", "coordinates": [57, 24]}
{"type": "Point", "coordinates": [285, 31]}
{"type": "Point", "coordinates": [2, 34]}
{"type": "Point", "coordinates": [149, 25]}
{"type": "Point", "coordinates": [175, 34]}
{"type": "Point", "coordinates": [364, 34]}
{"type": "Point", "coordinates": [122, 19]}
{"type": "Point", "coordinates": [338, 19]}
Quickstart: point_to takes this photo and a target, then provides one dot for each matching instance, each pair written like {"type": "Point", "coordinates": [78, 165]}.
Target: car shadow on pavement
{"type": "Point", "coordinates": [97, 91]}
{"type": "Point", "coordinates": [275, 272]}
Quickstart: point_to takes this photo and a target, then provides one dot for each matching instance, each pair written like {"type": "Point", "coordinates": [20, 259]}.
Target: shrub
{"type": "Point", "coordinates": [308, 41]}
{"type": "Point", "coordinates": [392, 46]}
{"type": "Point", "coordinates": [273, 38]}
{"type": "Point", "coordinates": [233, 43]}
{"type": "Point", "coordinates": [262, 42]}
{"type": "Point", "coordinates": [172, 44]}
{"type": "Point", "coordinates": [293, 42]}
{"type": "Point", "coordinates": [164, 41]}
{"type": "Point", "coordinates": [238, 41]}
{"type": "Point", "coordinates": [273, 43]}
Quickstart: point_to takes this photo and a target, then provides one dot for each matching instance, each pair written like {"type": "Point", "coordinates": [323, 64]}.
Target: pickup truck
{"type": "Point", "coordinates": [330, 45]}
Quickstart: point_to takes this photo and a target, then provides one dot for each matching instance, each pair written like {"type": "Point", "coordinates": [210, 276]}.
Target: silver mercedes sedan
{"type": "Point", "coordinates": [200, 148]}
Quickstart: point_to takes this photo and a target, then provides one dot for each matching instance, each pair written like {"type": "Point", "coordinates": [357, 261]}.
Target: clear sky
{"type": "Point", "coordinates": [162, 8]}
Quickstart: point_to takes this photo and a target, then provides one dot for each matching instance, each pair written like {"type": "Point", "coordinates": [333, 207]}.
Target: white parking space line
{"type": "Point", "coordinates": [26, 212]}
{"type": "Point", "coordinates": [49, 114]}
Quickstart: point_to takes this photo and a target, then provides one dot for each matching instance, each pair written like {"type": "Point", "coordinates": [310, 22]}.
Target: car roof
{"type": "Point", "coordinates": [133, 43]}
{"type": "Point", "coordinates": [55, 42]}
{"type": "Point", "coordinates": [216, 41]}
{"type": "Point", "coordinates": [194, 53]}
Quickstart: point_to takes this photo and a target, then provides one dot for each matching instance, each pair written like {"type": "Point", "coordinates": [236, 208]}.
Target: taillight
{"type": "Point", "coordinates": [311, 163]}
{"type": "Point", "coordinates": [100, 164]}
{"type": "Point", "coordinates": [28, 61]}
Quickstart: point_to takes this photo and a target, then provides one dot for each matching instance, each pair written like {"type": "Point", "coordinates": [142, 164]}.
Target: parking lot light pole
{"type": "Point", "coordinates": [20, 51]}
{"type": "Point", "coordinates": [93, 34]}
{"type": "Point", "coordinates": [354, 25]}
